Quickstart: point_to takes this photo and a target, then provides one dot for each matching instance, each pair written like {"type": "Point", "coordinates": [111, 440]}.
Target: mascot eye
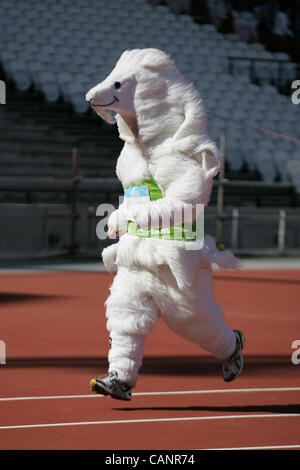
{"type": "Point", "coordinates": [117, 85]}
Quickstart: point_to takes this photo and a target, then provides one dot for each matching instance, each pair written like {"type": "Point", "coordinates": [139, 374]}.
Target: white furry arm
{"type": "Point", "coordinates": [195, 184]}
{"type": "Point", "coordinates": [158, 213]}
{"type": "Point", "coordinates": [118, 219]}
{"type": "Point", "coordinates": [109, 257]}
{"type": "Point", "coordinates": [190, 185]}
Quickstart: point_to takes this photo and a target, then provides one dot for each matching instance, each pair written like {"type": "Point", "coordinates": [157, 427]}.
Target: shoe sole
{"type": "Point", "coordinates": [242, 343]}
{"type": "Point", "coordinates": [101, 390]}
{"type": "Point", "coordinates": [242, 338]}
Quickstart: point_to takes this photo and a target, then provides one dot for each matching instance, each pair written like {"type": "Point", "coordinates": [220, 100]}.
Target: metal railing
{"type": "Point", "coordinates": [280, 221]}
{"type": "Point", "coordinates": [229, 224]}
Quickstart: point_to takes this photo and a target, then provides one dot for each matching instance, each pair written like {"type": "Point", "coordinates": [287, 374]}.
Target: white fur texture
{"type": "Point", "coordinates": [137, 299]}
{"type": "Point", "coordinates": [160, 276]}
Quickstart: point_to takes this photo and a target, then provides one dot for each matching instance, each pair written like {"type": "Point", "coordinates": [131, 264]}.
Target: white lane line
{"type": "Point", "coordinates": [257, 447]}
{"type": "Point", "coordinates": [154, 420]}
{"type": "Point", "coordinates": [51, 397]}
{"type": "Point", "coordinates": [179, 392]}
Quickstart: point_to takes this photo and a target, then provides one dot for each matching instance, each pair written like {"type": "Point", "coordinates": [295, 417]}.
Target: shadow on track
{"type": "Point", "coordinates": [16, 297]}
{"type": "Point", "coordinates": [292, 408]}
{"type": "Point", "coordinates": [193, 366]}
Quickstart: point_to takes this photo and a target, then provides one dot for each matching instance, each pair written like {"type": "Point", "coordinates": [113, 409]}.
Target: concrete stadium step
{"type": "Point", "coordinates": [23, 126]}
{"type": "Point", "coordinates": [30, 96]}
{"type": "Point", "coordinates": [36, 139]}
{"type": "Point", "coordinates": [33, 171]}
{"type": "Point", "coordinates": [8, 120]}
{"type": "Point", "coordinates": [29, 170]}
{"type": "Point", "coordinates": [14, 159]}
{"type": "Point", "coordinates": [46, 145]}
{"type": "Point", "coordinates": [29, 100]}
{"type": "Point", "coordinates": [9, 146]}
{"type": "Point", "coordinates": [65, 152]}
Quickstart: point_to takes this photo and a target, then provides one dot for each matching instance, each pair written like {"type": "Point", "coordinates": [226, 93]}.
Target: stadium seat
{"type": "Point", "coordinates": [49, 86]}
{"type": "Point", "coordinates": [21, 75]}
{"type": "Point", "coordinates": [265, 165]}
{"type": "Point", "coordinates": [296, 154]}
{"type": "Point", "coordinates": [77, 93]}
{"type": "Point", "coordinates": [234, 156]}
{"type": "Point", "coordinates": [294, 173]}
{"type": "Point", "coordinates": [281, 158]}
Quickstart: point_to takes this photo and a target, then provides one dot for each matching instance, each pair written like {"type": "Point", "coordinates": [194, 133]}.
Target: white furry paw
{"type": "Point", "coordinates": [117, 220]}
{"type": "Point", "coordinates": [109, 255]}
{"type": "Point", "coordinates": [138, 214]}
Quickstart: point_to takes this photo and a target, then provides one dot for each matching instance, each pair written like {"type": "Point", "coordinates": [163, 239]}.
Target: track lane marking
{"type": "Point", "coordinates": [153, 420]}
{"type": "Point", "coordinates": [180, 392]}
{"type": "Point", "coordinates": [294, 446]}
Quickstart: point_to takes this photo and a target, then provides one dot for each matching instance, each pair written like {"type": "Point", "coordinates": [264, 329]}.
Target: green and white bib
{"type": "Point", "coordinates": [148, 190]}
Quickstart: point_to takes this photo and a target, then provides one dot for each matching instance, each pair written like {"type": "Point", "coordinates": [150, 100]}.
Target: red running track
{"type": "Point", "coordinates": [53, 325]}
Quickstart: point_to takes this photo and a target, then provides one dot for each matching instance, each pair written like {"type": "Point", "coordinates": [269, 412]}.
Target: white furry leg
{"type": "Point", "coordinates": [194, 314]}
{"type": "Point", "coordinates": [125, 356]}
{"type": "Point", "coordinates": [206, 327]}
{"type": "Point", "coordinates": [131, 314]}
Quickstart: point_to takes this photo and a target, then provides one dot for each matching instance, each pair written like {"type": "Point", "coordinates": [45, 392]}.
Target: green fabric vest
{"type": "Point", "coordinates": [186, 231]}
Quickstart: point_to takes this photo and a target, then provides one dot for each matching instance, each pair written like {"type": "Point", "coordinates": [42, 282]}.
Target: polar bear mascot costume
{"type": "Point", "coordinates": [163, 266]}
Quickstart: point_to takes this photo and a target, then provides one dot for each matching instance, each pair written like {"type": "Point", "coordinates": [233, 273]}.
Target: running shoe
{"type": "Point", "coordinates": [111, 385]}
{"type": "Point", "coordinates": [233, 366]}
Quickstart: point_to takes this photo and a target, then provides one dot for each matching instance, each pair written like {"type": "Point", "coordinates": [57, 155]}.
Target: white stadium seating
{"type": "Point", "coordinates": [65, 47]}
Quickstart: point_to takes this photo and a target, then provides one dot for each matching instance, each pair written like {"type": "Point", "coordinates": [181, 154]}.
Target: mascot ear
{"type": "Point", "coordinates": [156, 60]}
